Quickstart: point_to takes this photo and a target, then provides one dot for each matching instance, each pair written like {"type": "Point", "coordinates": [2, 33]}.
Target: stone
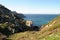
{"type": "Point", "coordinates": [28, 23]}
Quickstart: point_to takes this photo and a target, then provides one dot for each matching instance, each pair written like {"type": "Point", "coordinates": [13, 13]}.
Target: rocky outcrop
{"type": "Point", "coordinates": [11, 21]}
{"type": "Point", "coordinates": [29, 23]}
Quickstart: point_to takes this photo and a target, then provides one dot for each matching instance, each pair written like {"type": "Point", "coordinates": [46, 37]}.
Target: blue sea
{"type": "Point", "coordinates": [40, 19]}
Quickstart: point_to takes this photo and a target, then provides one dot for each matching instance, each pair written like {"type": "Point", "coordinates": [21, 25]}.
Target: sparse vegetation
{"type": "Point", "coordinates": [46, 33]}
{"type": "Point", "coordinates": [17, 30]}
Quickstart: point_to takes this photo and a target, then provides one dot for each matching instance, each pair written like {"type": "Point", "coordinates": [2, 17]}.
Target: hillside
{"type": "Point", "coordinates": [50, 31]}
{"type": "Point", "coordinates": [13, 27]}
{"type": "Point", "coordinates": [12, 22]}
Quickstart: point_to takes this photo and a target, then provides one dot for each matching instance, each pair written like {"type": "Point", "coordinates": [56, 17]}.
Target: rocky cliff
{"type": "Point", "coordinates": [11, 21]}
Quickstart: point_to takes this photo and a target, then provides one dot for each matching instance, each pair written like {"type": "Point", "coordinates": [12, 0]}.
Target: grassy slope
{"type": "Point", "coordinates": [46, 33]}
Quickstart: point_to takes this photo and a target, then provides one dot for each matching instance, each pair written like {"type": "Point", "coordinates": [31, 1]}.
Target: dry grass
{"type": "Point", "coordinates": [43, 34]}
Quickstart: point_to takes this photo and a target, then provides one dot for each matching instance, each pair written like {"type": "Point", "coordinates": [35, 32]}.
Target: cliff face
{"type": "Point", "coordinates": [11, 21]}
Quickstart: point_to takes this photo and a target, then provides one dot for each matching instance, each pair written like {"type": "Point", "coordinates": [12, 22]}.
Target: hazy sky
{"type": "Point", "coordinates": [33, 6]}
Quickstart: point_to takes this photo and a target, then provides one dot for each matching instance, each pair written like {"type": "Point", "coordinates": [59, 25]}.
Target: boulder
{"type": "Point", "coordinates": [29, 23]}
